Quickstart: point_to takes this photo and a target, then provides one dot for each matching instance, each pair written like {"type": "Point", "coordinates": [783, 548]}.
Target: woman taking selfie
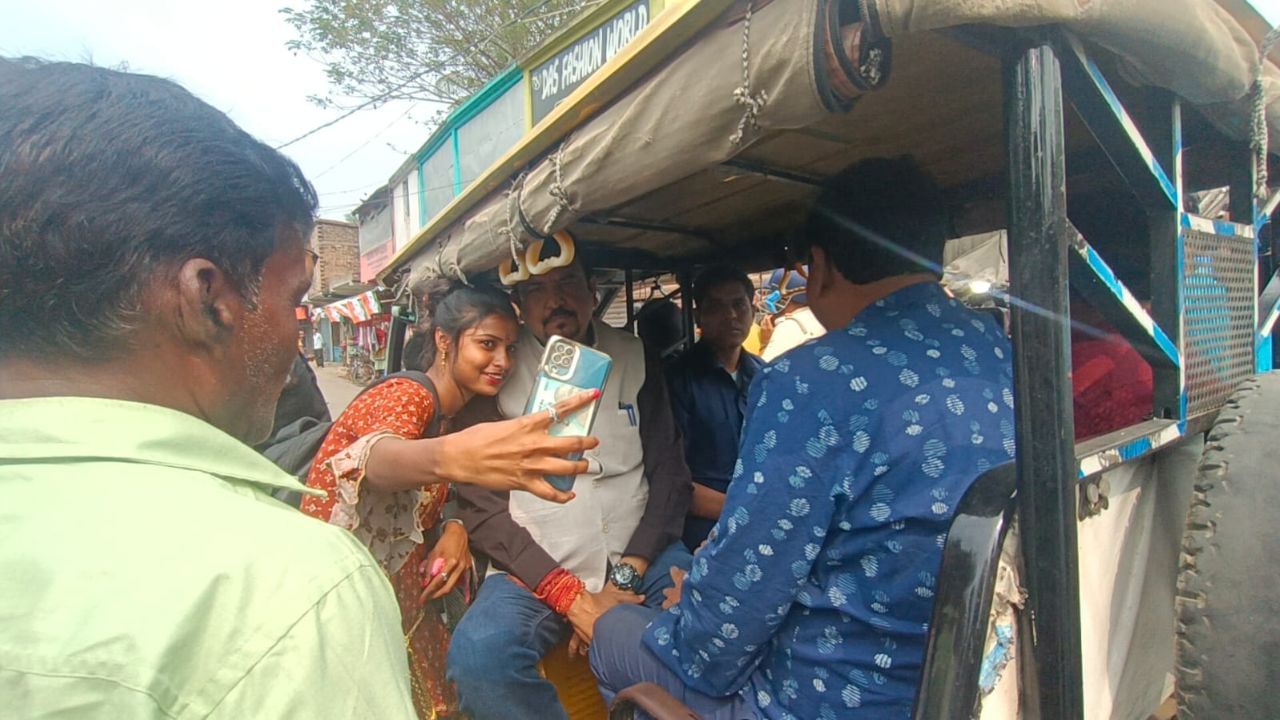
{"type": "Point", "coordinates": [471, 333]}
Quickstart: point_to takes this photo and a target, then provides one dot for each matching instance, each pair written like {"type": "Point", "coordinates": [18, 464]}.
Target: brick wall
{"type": "Point", "coordinates": [337, 244]}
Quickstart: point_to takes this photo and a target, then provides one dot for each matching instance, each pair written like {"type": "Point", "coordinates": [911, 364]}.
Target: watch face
{"type": "Point", "coordinates": [623, 576]}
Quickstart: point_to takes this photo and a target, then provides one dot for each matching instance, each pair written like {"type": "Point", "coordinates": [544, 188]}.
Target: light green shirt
{"type": "Point", "coordinates": [145, 572]}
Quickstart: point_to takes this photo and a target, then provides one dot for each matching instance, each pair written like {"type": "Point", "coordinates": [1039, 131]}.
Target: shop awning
{"type": "Point", "coordinates": [357, 309]}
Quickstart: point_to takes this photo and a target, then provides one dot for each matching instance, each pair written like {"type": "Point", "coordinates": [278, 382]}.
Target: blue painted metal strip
{"type": "Point", "coordinates": [1182, 309]}
{"type": "Point", "coordinates": [1130, 303]}
{"type": "Point", "coordinates": [1103, 460]}
{"type": "Point", "coordinates": [1126, 122]}
{"type": "Point", "coordinates": [1175, 126]}
{"type": "Point", "coordinates": [1263, 361]}
{"type": "Point", "coordinates": [1215, 226]}
{"type": "Point", "coordinates": [1137, 448]}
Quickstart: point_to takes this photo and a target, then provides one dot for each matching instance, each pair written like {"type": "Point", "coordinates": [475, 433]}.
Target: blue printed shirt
{"type": "Point", "coordinates": [814, 595]}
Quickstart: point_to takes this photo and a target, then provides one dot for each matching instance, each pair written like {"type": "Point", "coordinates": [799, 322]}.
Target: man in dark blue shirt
{"type": "Point", "coordinates": [708, 386]}
{"type": "Point", "coordinates": [813, 596]}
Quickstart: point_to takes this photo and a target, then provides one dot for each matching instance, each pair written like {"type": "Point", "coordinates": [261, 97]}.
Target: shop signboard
{"type": "Point", "coordinates": [553, 80]}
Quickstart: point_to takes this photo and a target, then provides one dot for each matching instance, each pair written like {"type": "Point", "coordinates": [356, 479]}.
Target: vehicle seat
{"type": "Point", "coordinates": [660, 326]}
{"type": "Point", "coordinates": [574, 682]}
{"type": "Point", "coordinates": [958, 629]}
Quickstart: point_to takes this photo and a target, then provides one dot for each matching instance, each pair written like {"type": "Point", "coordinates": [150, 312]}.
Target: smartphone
{"type": "Point", "coordinates": [568, 368]}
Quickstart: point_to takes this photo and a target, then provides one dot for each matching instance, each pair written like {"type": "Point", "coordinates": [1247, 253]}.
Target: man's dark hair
{"type": "Point", "coordinates": [716, 275]}
{"type": "Point", "coordinates": [897, 202]}
{"type": "Point", "coordinates": [108, 178]}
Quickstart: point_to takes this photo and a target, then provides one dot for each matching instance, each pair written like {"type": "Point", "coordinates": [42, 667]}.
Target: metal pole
{"type": "Point", "coordinates": [685, 278]}
{"type": "Point", "coordinates": [631, 300]}
{"type": "Point", "coordinates": [1038, 244]}
{"type": "Point", "coordinates": [395, 343]}
{"type": "Point", "coordinates": [1166, 265]}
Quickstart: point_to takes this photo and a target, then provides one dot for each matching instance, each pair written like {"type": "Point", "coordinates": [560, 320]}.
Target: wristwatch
{"type": "Point", "coordinates": [625, 576]}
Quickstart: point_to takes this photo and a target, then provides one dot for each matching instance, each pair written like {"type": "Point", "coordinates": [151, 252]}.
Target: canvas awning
{"type": "Point", "coordinates": [662, 151]}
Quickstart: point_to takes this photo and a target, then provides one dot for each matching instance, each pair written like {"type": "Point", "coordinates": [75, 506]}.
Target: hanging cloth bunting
{"type": "Point", "coordinates": [358, 309]}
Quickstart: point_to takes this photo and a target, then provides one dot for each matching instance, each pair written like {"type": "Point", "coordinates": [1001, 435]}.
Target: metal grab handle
{"type": "Point", "coordinates": [653, 700]}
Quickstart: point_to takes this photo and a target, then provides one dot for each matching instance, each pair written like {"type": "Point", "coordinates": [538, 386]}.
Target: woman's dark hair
{"type": "Point", "coordinates": [451, 307]}
{"type": "Point", "coordinates": [109, 179]}
{"type": "Point", "coordinates": [413, 351]}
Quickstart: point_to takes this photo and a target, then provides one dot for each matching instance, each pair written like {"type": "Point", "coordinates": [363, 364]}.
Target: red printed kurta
{"type": "Point", "coordinates": [391, 524]}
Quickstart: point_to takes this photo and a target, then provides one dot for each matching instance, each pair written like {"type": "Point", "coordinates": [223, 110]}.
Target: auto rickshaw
{"type": "Point", "coordinates": [1139, 567]}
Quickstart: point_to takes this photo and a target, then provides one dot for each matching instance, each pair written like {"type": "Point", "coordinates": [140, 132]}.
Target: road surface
{"type": "Point", "coordinates": [337, 389]}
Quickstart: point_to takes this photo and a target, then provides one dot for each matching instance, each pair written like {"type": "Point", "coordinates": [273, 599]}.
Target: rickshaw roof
{"type": "Point", "coordinates": [641, 163]}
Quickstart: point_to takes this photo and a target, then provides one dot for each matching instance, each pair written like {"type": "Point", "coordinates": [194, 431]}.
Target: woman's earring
{"type": "Point", "coordinates": [444, 355]}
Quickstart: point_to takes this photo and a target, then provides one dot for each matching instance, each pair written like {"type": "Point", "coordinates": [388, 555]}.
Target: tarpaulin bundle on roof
{"type": "Point", "coordinates": [711, 82]}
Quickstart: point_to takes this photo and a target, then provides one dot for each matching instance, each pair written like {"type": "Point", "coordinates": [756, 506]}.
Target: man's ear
{"type": "Point", "coordinates": [209, 305]}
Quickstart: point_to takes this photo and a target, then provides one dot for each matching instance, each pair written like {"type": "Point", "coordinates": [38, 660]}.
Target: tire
{"type": "Point", "coordinates": [1228, 601]}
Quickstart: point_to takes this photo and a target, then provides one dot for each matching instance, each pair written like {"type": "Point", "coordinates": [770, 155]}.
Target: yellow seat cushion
{"type": "Point", "coordinates": [574, 683]}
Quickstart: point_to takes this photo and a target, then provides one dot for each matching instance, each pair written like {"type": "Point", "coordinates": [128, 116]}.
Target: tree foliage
{"type": "Point", "coordinates": [427, 50]}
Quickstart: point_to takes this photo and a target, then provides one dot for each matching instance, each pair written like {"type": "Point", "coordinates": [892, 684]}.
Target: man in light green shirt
{"type": "Point", "coordinates": [147, 573]}
{"type": "Point", "coordinates": [151, 258]}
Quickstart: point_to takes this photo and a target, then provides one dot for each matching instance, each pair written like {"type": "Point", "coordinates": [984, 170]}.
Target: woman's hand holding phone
{"type": "Point", "coordinates": [517, 454]}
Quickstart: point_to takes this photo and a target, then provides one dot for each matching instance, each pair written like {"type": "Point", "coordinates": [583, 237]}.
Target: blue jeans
{"type": "Point", "coordinates": [494, 654]}
{"type": "Point", "coordinates": [620, 659]}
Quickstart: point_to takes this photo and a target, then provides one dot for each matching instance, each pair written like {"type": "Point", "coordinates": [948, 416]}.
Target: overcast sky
{"type": "Point", "coordinates": [232, 53]}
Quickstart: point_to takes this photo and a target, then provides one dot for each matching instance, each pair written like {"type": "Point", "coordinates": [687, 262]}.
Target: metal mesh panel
{"type": "Point", "coordinates": [1219, 284]}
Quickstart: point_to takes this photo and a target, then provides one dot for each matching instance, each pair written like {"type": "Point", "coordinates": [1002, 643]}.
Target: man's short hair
{"type": "Point", "coordinates": [879, 218]}
{"type": "Point", "coordinates": [717, 275]}
{"type": "Point", "coordinates": [108, 178]}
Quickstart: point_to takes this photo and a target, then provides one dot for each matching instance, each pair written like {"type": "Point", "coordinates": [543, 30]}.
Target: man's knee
{"type": "Point", "coordinates": [617, 638]}
{"type": "Point", "coordinates": [476, 650]}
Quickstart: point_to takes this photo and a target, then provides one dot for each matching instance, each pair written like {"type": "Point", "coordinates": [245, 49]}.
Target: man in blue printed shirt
{"type": "Point", "coordinates": [813, 597]}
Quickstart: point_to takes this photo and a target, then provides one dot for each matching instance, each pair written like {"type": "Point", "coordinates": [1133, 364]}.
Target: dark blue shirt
{"type": "Point", "coordinates": [813, 596]}
{"type": "Point", "coordinates": [709, 406]}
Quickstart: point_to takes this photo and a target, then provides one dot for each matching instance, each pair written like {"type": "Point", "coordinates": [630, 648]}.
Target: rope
{"type": "Point", "coordinates": [752, 104]}
{"type": "Point", "coordinates": [559, 193]}
{"type": "Point", "coordinates": [513, 240]}
{"type": "Point", "coordinates": [439, 261]}
{"type": "Point", "coordinates": [1258, 141]}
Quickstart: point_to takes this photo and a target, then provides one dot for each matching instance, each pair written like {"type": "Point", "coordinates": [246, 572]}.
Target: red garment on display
{"type": "Point", "coordinates": [1112, 385]}
{"type": "Point", "coordinates": [403, 408]}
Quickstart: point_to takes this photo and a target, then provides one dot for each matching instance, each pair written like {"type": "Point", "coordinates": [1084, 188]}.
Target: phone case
{"type": "Point", "coordinates": [568, 368]}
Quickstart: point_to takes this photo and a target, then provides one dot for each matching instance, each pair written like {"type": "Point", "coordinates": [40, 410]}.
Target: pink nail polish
{"type": "Point", "coordinates": [437, 566]}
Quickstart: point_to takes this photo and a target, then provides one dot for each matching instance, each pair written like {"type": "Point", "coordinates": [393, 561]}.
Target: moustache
{"type": "Point", "coordinates": [561, 312]}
